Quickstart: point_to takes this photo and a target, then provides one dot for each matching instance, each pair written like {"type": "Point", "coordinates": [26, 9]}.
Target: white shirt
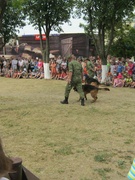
{"type": "Point", "coordinates": [3, 178]}
{"type": "Point", "coordinates": [21, 63]}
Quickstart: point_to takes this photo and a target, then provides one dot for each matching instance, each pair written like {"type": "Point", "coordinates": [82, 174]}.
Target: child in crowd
{"type": "Point", "coordinates": [53, 69]}
{"type": "Point", "coordinates": [118, 81]}
{"type": "Point", "coordinates": [128, 81]}
{"type": "Point", "coordinates": [58, 74]}
{"type": "Point", "coordinates": [15, 74]}
{"type": "Point", "coordinates": [41, 73]}
{"type": "Point", "coordinates": [63, 75]}
{"type": "Point", "coordinates": [108, 79]}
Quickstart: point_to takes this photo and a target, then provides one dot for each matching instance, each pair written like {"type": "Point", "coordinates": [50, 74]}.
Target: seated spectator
{"type": "Point", "coordinates": [9, 73]}
{"type": "Point", "coordinates": [118, 81]}
{"type": "Point", "coordinates": [58, 74]}
{"type": "Point", "coordinates": [108, 79]}
{"type": "Point", "coordinates": [41, 73]}
{"type": "Point", "coordinates": [63, 75]}
{"type": "Point", "coordinates": [20, 74]}
{"type": "Point", "coordinates": [133, 72]}
{"type": "Point", "coordinates": [37, 74]}
{"type": "Point", "coordinates": [32, 74]}
{"type": "Point", "coordinates": [133, 84]}
{"type": "Point", "coordinates": [128, 81]}
{"type": "Point", "coordinates": [15, 74]}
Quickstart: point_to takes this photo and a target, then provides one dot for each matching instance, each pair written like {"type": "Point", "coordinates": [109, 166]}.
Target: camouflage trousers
{"type": "Point", "coordinates": [78, 87]}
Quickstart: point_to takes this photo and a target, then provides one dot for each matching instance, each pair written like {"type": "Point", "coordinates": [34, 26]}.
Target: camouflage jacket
{"type": "Point", "coordinates": [76, 68]}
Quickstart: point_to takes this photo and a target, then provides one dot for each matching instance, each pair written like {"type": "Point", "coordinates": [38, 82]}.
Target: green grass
{"type": "Point", "coordinates": [103, 157]}
{"type": "Point", "coordinates": [67, 142]}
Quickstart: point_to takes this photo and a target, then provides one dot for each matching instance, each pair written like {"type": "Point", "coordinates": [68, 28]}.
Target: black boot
{"type": "Point", "coordinates": [82, 102]}
{"type": "Point", "coordinates": [65, 101]}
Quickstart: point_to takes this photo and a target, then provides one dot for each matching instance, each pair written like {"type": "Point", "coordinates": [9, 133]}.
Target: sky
{"type": "Point", "coordinates": [74, 28]}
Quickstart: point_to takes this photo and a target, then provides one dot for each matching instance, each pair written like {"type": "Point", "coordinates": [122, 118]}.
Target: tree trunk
{"type": "Point", "coordinates": [104, 69]}
{"type": "Point", "coordinates": [46, 64]}
{"type": "Point", "coordinates": [47, 71]}
{"type": "Point", "coordinates": [104, 73]}
{"type": "Point", "coordinates": [104, 60]}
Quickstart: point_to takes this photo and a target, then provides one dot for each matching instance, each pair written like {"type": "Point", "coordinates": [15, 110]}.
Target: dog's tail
{"type": "Point", "coordinates": [104, 89]}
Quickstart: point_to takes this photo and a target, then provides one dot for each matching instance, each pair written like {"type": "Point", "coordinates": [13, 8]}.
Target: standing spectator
{"type": "Point", "coordinates": [58, 62]}
{"type": "Point", "coordinates": [21, 64]}
{"type": "Point", "coordinates": [120, 68]}
{"type": "Point", "coordinates": [25, 62]}
{"type": "Point", "coordinates": [1, 64]}
{"type": "Point", "coordinates": [98, 71]}
{"type": "Point", "coordinates": [113, 68]}
{"type": "Point", "coordinates": [53, 68]}
{"type": "Point", "coordinates": [64, 64]}
{"type": "Point", "coordinates": [130, 67]}
{"type": "Point", "coordinates": [31, 65]}
{"type": "Point", "coordinates": [14, 64]}
{"type": "Point", "coordinates": [4, 65]}
{"type": "Point", "coordinates": [35, 65]}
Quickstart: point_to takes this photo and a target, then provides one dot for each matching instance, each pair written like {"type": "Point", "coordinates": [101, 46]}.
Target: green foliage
{"type": "Point", "coordinates": [12, 18]}
{"type": "Point", "coordinates": [3, 4]}
{"type": "Point", "coordinates": [48, 15]}
{"type": "Point", "coordinates": [103, 19]}
{"type": "Point", "coordinates": [124, 46]}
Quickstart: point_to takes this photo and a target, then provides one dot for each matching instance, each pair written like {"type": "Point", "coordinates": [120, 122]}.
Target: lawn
{"type": "Point", "coordinates": [67, 142]}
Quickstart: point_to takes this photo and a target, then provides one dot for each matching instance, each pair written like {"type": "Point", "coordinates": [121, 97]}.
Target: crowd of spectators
{"type": "Point", "coordinates": [120, 71]}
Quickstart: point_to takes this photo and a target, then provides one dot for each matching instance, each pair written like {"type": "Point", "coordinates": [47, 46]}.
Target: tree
{"type": "Point", "coordinates": [103, 19]}
{"type": "Point", "coordinates": [3, 4]}
{"type": "Point", "coordinates": [124, 45]}
{"type": "Point", "coordinates": [12, 19]}
{"type": "Point", "coordinates": [48, 15]}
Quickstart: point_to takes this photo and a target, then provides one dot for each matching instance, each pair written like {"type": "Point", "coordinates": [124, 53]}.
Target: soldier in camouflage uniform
{"type": "Point", "coordinates": [75, 75]}
{"type": "Point", "coordinates": [90, 67]}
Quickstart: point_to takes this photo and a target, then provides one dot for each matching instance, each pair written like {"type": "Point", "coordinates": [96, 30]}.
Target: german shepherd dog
{"type": "Point", "coordinates": [91, 81]}
{"type": "Point", "coordinates": [87, 88]}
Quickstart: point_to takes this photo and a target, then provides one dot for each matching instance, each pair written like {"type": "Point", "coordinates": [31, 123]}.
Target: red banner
{"type": "Point", "coordinates": [37, 37]}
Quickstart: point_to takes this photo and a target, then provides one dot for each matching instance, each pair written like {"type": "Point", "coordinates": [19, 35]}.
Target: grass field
{"type": "Point", "coordinates": [67, 142]}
